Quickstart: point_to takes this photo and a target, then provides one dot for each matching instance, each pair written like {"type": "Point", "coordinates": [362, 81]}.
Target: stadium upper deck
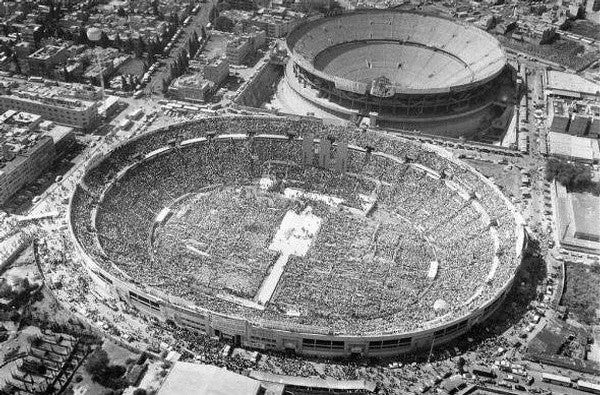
{"type": "Point", "coordinates": [177, 223]}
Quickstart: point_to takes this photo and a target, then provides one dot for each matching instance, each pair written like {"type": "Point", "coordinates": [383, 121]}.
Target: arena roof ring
{"type": "Point", "coordinates": [386, 52]}
{"type": "Point", "coordinates": [293, 225]}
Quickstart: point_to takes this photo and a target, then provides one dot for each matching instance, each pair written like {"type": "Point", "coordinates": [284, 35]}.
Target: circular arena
{"type": "Point", "coordinates": [286, 234]}
{"type": "Point", "coordinates": [402, 68]}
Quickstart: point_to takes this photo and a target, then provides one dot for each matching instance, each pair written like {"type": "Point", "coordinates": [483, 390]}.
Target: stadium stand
{"type": "Point", "coordinates": [157, 212]}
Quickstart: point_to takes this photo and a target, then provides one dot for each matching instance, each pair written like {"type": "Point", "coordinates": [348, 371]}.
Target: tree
{"type": "Point", "coordinates": [224, 24]}
{"type": "Point", "coordinates": [223, 6]}
{"type": "Point", "coordinates": [97, 363]}
{"type": "Point", "coordinates": [6, 290]}
{"type": "Point", "coordinates": [104, 41]}
{"type": "Point", "coordinates": [118, 43]}
{"type": "Point", "coordinates": [571, 175]}
{"type": "Point", "coordinates": [66, 74]}
{"type": "Point", "coordinates": [165, 86]}
{"type": "Point", "coordinates": [174, 18]}
{"type": "Point", "coordinates": [155, 7]}
{"type": "Point", "coordinates": [82, 37]}
{"type": "Point", "coordinates": [129, 45]}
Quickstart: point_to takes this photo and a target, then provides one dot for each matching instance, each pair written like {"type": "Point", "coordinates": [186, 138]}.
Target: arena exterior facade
{"type": "Point", "coordinates": [405, 70]}
{"type": "Point", "coordinates": [500, 239]}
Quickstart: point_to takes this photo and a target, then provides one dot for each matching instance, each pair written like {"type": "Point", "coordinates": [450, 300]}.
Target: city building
{"type": "Point", "coordinates": [62, 136]}
{"type": "Point", "coordinates": [73, 106]}
{"type": "Point", "coordinates": [276, 26]}
{"type": "Point", "coordinates": [276, 22]}
{"type": "Point", "coordinates": [576, 220]}
{"type": "Point", "coordinates": [572, 86]}
{"type": "Point", "coordinates": [592, 11]}
{"type": "Point", "coordinates": [207, 75]}
{"type": "Point", "coordinates": [197, 379]}
{"type": "Point", "coordinates": [308, 4]}
{"type": "Point", "coordinates": [579, 126]}
{"type": "Point", "coordinates": [215, 70]}
{"type": "Point", "coordinates": [28, 32]}
{"type": "Point", "coordinates": [191, 87]}
{"type": "Point", "coordinates": [237, 50]}
{"type": "Point", "coordinates": [571, 147]}
{"type": "Point", "coordinates": [24, 153]}
{"type": "Point", "coordinates": [43, 61]}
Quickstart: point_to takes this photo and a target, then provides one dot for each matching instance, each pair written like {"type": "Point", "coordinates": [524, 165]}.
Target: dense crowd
{"type": "Point", "coordinates": [422, 220]}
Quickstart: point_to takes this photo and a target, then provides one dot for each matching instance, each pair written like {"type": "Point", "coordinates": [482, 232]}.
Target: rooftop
{"type": "Point", "coordinates": [191, 81]}
{"type": "Point", "coordinates": [586, 211]}
{"type": "Point", "coordinates": [22, 119]}
{"type": "Point", "coordinates": [60, 96]}
{"type": "Point", "coordinates": [573, 147]}
{"type": "Point", "coordinates": [559, 80]}
{"type": "Point", "coordinates": [196, 379]}
{"type": "Point", "coordinates": [27, 144]}
{"type": "Point", "coordinates": [579, 126]}
{"type": "Point", "coordinates": [46, 52]}
{"type": "Point", "coordinates": [559, 124]}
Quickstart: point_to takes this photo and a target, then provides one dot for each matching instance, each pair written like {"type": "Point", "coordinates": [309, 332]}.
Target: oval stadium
{"type": "Point", "coordinates": [406, 70]}
{"type": "Point", "coordinates": [287, 234]}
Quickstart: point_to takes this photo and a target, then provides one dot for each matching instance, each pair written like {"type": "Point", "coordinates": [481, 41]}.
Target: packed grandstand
{"type": "Point", "coordinates": [398, 65]}
{"type": "Point", "coordinates": [224, 225]}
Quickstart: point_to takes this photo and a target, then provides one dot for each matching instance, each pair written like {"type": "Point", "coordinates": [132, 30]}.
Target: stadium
{"type": "Point", "coordinates": [287, 234]}
{"type": "Point", "coordinates": [405, 70]}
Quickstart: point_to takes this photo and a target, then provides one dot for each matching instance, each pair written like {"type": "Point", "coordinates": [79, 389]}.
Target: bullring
{"type": "Point", "coordinates": [404, 246]}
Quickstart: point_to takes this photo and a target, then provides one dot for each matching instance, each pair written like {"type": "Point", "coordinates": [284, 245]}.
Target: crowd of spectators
{"type": "Point", "coordinates": [418, 219]}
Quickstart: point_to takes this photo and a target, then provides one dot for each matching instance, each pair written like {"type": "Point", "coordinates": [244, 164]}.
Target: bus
{"type": "Point", "coordinates": [588, 387]}
{"type": "Point", "coordinates": [556, 379]}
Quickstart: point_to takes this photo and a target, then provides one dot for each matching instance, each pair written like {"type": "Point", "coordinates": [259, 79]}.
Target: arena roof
{"type": "Point", "coordinates": [417, 53]}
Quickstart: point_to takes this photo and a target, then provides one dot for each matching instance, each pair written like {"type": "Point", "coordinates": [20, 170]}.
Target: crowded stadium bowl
{"type": "Point", "coordinates": [284, 234]}
{"type": "Point", "coordinates": [403, 69]}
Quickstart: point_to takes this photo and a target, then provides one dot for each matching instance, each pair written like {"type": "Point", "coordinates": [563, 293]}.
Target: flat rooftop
{"type": "Point", "coordinates": [559, 80]}
{"type": "Point", "coordinates": [586, 213]}
{"type": "Point", "coordinates": [196, 379]}
{"type": "Point", "coordinates": [565, 145]}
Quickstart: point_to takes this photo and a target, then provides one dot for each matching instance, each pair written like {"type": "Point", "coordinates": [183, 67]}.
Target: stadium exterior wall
{"type": "Point", "coordinates": [304, 340]}
{"type": "Point", "coordinates": [449, 125]}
